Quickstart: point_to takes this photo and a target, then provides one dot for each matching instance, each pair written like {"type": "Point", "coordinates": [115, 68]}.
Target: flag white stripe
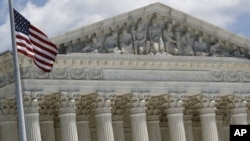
{"type": "Point", "coordinates": [24, 42]}
{"type": "Point", "coordinates": [44, 59]}
{"type": "Point", "coordinates": [25, 49]}
{"type": "Point", "coordinates": [42, 65]}
{"type": "Point", "coordinates": [44, 52]}
{"type": "Point", "coordinates": [33, 39]}
{"type": "Point", "coordinates": [41, 42]}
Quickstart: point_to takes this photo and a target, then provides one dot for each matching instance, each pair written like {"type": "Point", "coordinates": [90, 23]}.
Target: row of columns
{"type": "Point", "coordinates": [110, 128]}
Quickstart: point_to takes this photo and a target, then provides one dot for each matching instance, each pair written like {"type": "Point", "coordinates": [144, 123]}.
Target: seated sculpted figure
{"type": "Point", "coordinates": [93, 47]}
{"type": "Point", "coordinates": [110, 44]}
{"type": "Point", "coordinates": [187, 45]}
{"type": "Point", "coordinates": [125, 42]}
{"type": "Point", "coordinates": [215, 50]}
{"type": "Point", "coordinates": [169, 42]}
{"type": "Point", "coordinates": [155, 36]}
{"type": "Point", "coordinates": [200, 47]}
{"type": "Point", "coordinates": [141, 46]}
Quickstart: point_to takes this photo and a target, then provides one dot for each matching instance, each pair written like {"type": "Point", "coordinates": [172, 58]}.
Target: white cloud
{"type": "Point", "coordinates": [57, 17]}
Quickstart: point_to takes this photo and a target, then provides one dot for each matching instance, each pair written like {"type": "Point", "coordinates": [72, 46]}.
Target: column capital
{"type": "Point", "coordinates": [31, 100]}
{"type": "Point", "coordinates": [173, 103]}
{"type": "Point", "coordinates": [239, 104]}
{"type": "Point", "coordinates": [8, 118]}
{"type": "Point", "coordinates": [47, 106]}
{"type": "Point", "coordinates": [119, 107]}
{"type": "Point", "coordinates": [66, 102]}
{"type": "Point", "coordinates": [154, 106]}
{"type": "Point", "coordinates": [240, 110]}
{"type": "Point", "coordinates": [8, 107]}
{"type": "Point", "coordinates": [137, 102]}
{"type": "Point", "coordinates": [238, 100]}
{"type": "Point", "coordinates": [84, 104]}
{"type": "Point", "coordinates": [103, 102]}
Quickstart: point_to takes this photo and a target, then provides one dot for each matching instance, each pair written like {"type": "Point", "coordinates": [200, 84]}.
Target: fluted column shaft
{"type": "Point", "coordinates": [68, 126]}
{"type": "Point", "coordinates": [239, 116]}
{"type": "Point", "coordinates": [47, 128]}
{"type": "Point", "coordinates": [188, 127]}
{"type": "Point", "coordinates": [57, 129]}
{"type": "Point", "coordinates": [176, 124]}
{"type": "Point", "coordinates": [32, 124]}
{"type": "Point", "coordinates": [9, 130]}
{"type": "Point", "coordinates": [83, 128]}
{"type": "Point", "coordinates": [139, 124]}
{"type": "Point", "coordinates": [154, 131]}
{"type": "Point", "coordinates": [208, 124]}
{"type": "Point", "coordinates": [117, 122]}
{"type": "Point", "coordinates": [104, 124]}
{"type": "Point", "coordinates": [220, 128]}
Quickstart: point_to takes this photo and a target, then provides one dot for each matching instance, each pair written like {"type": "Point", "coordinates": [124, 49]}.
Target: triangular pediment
{"type": "Point", "coordinates": [154, 30]}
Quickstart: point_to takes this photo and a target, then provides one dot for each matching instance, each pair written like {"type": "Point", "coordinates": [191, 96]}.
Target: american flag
{"type": "Point", "coordinates": [33, 43]}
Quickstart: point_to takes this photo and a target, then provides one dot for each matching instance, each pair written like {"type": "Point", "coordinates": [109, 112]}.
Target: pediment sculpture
{"type": "Point", "coordinates": [156, 35]}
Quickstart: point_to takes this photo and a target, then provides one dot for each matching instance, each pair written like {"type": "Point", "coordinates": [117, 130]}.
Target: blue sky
{"type": "Point", "coordinates": [55, 17]}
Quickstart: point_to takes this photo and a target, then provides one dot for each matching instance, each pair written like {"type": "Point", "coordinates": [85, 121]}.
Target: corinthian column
{"type": "Point", "coordinates": [117, 122]}
{"type": "Point", "coordinates": [153, 122]}
{"type": "Point", "coordinates": [239, 112]}
{"type": "Point", "coordinates": [9, 121]}
{"type": "Point", "coordinates": [47, 120]}
{"type": "Point", "coordinates": [47, 128]}
{"type": "Point", "coordinates": [154, 131]}
{"type": "Point", "coordinates": [83, 128]}
{"type": "Point", "coordinates": [208, 120]}
{"type": "Point", "coordinates": [67, 117]}
{"type": "Point", "coordinates": [31, 115]}
{"type": "Point", "coordinates": [138, 117]}
{"type": "Point", "coordinates": [84, 107]}
{"type": "Point", "coordinates": [175, 118]}
{"type": "Point", "coordinates": [188, 127]}
{"type": "Point", "coordinates": [103, 117]}
{"type": "Point", "coordinates": [118, 110]}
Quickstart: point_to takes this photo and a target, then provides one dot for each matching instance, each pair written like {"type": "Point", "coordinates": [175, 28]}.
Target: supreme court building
{"type": "Point", "coordinates": [151, 74]}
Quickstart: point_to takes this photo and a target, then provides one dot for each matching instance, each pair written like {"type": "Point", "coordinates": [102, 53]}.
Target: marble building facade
{"type": "Point", "coordinates": [152, 74]}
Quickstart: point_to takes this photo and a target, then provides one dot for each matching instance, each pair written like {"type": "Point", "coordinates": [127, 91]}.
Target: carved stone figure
{"type": "Point", "coordinates": [125, 42]}
{"type": "Point", "coordinates": [69, 48]}
{"type": "Point", "coordinates": [187, 45]}
{"type": "Point", "coordinates": [200, 47]}
{"type": "Point", "coordinates": [93, 47]}
{"type": "Point", "coordinates": [155, 36]}
{"type": "Point", "coordinates": [177, 36]}
{"type": "Point", "coordinates": [110, 44]}
{"type": "Point", "coordinates": [214, 50]}
{"type": "Point", "coordinates": [169, 42]}
{"type": "Point", "coordinates": [141, 46]}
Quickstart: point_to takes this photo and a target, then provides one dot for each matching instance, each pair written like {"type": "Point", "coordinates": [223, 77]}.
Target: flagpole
{"type": "Point", "coordinates": [18, 86]}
